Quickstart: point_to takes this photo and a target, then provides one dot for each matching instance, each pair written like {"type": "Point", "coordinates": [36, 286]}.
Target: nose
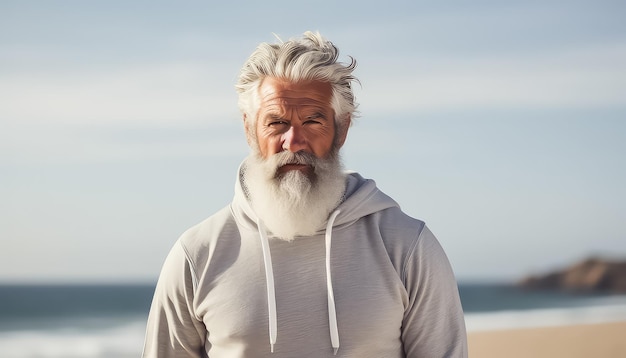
{"type": "Point", "coordinates": [294, 140]}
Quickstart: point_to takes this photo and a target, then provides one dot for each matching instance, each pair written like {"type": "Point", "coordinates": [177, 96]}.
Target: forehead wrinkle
{"type": "Point", "coordinates": [277, 97]}
{"type": "Point", "coordinates": [284, 97]}
{"type": "Point", "coordinates": [283, 100]}
{"type": "Point", "coordinates": [287, 96]}
{"type": "Point", "coordinates": [282, 105]}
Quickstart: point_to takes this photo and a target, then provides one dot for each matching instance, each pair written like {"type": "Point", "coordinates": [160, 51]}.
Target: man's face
{"type": "Point", "coordinates": [295, 117]}
{"type": "Point", "coordinates": [294, 175]}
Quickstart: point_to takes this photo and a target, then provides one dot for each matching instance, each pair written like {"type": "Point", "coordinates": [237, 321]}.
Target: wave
{"type": "Point", "coordinates": [606, 311]}
{"type": "Point", "coordinates": [123, 341]}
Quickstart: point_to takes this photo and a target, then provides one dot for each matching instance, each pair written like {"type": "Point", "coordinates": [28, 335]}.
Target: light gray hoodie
{"type": "Point", "coordinates": [374, 283]}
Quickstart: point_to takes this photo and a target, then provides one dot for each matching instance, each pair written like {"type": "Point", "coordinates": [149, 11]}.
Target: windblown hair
{"type": "Point", "coordinates": [308, 58]}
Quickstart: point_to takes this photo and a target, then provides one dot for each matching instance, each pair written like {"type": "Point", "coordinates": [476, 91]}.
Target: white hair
{"type": "Point", "coordinates": [303, 59]}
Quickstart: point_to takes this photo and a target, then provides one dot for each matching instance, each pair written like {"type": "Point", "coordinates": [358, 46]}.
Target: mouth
{"type": "Point", "coordinates": [305, 168]}
{"type": "Point", "coordinates": [294, 166]}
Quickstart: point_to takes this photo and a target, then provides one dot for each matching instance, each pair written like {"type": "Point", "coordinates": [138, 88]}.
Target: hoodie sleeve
{"type": "Point", "coordinates": [173, 330]}
{"type": "Point", "coordinates": [433, 324]}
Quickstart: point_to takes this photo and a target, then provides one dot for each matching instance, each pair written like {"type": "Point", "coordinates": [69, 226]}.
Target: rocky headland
{"type": "Point", "coordinates": [591, 275]}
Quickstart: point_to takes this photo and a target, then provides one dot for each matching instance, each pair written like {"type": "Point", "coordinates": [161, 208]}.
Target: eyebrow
{"type": "Point", "coordinates": [276, 115]}
{"type": "Point", "coordinates": [317, 115]}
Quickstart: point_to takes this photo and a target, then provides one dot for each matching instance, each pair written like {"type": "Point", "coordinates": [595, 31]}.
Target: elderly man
{"type": "Point", "coordinates": [308, 260]}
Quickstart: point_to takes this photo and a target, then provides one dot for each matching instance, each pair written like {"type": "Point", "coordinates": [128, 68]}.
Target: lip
{"type": "Point", "coordinates": [294, 166]}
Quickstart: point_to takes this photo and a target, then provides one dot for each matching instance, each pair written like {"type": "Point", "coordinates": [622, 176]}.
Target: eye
{"type": "Point", "coordinates": [277, 123]}
{"type": "Point", "coordinates": [274, 120]}
{"type": "Point", "coordinates": [314, 118]}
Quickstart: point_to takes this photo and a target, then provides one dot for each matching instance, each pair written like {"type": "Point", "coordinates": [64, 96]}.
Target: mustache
{"type": "Point", "coordinates": [286, 157]}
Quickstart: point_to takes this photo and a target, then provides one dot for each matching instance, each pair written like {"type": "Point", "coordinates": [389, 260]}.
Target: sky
{"type": "Point", "coordinates": [501, 124]}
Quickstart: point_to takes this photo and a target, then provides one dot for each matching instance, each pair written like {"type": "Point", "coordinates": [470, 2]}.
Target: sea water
{"type": "Point", "coordinates": [108, 321]}
{"type": "Point", "coordinates": [105, 321]}
{"type": "Point", "coordinates": [504, 306]}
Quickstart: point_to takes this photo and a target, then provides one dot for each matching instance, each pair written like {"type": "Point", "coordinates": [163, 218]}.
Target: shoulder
{"type": "Point", "coordinates": [394, 216]}
{"type": "Point", "coordinates": [409, 242]}
{"type": "Point", "coordinates": [200, 238]}
{"type": "Point", "coordinates": [399, 230]}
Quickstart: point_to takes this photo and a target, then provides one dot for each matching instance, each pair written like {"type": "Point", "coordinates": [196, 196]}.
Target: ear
{"type": "Point", "coordinates": [343, 131]}
{"type": "Point", "coordinates": [246, 128]}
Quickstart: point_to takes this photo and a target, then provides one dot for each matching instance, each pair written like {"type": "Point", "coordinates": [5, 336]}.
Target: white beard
{"type": "Point", "coordinates": [294, 204]}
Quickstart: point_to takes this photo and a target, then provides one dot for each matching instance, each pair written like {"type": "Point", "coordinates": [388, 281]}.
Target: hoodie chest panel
{"type": "Point", "coordinates": [368, 294]}
{"type": "Point", "coordinates": [231, 297]}
{"type": "Point", "coordinates": [233, 305]}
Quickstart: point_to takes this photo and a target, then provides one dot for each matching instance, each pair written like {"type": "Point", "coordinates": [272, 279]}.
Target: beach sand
{"type": "Point", "coordinates": [606, 340]}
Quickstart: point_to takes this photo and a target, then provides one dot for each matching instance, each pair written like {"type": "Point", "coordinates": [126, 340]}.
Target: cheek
{"type": "Point", "coordinates": [324, 144]}
{"type": "Point", "coordinates": [269, 145]}
{"type": "Point", "coordinates": [274, 146]}
{"type": "Point", "coordinates": [264, 141]}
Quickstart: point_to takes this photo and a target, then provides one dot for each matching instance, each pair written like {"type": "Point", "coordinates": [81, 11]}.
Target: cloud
{"type": "Point", "coordinates": [583, 77]}
{"type": "Point", "coordinates": [159, 110]}
{"type": "Point", "coordinates": [171, 92]}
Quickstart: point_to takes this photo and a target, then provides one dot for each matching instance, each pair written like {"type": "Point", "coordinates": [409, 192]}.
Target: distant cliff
{"type": "Point", "coordinates": [591, 275]}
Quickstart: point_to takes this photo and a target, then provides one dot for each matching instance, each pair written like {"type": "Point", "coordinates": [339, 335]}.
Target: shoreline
{"type": "Point", "coordinates": [608, 310]}
{"type": "Point", "coordinates": [606, 340]}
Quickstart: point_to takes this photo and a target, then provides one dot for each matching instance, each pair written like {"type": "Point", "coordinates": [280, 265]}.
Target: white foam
{"type": "Point", "coordinates": [119, 342]}
{"type": "Point", "coordinates": [488, 321]}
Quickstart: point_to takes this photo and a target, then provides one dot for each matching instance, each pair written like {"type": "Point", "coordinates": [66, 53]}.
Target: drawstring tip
{"type": "Point", "coordinates": [271, 348]}
{"type": "Point", "coordinates": [335, 349]}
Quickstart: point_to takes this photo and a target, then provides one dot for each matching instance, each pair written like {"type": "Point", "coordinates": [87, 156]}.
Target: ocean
{"type": "Point", "coordinates": [108, 321]}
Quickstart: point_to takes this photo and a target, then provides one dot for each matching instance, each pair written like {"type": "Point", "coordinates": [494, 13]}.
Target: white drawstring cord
{"type": "Point", "coordinates": [269, 278]}
{"type": "Point", "coordinates": [332, 314]}
{"type": "Point", "coordinates": [271, 295]}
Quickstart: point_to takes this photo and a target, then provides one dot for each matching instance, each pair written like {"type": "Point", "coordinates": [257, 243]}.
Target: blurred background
{"type": "Point", "coordinates": [499, 123]}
